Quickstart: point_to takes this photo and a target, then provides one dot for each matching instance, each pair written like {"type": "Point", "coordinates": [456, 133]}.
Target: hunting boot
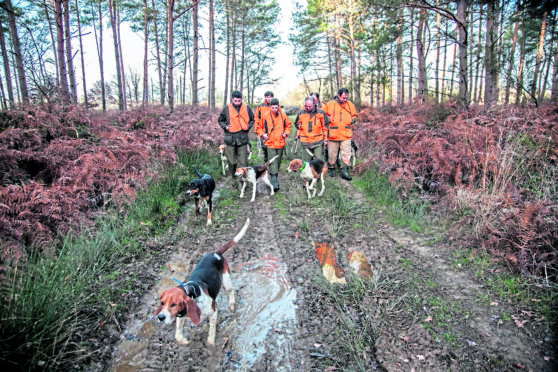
{"type": "Point", "coordinates": [274, 182]}
{"type": "Point", "coordinates": [331, 170]}
{"type": "Point", "coordinates": [345, 173]}
{"type": "Point", "coordinates": [232, 168]}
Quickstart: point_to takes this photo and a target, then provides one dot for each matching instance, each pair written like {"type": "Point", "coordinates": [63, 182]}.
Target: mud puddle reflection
{"type": "Point", "coordinates": [266, 315]}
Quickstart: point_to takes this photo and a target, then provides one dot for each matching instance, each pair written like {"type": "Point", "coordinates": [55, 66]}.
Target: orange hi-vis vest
{"type": "Point", "coordinates": [238, 119]}
{"type": "Point", "coordinates": [311, 126]}
{"type": "Point", "coordinates": [341, 119]}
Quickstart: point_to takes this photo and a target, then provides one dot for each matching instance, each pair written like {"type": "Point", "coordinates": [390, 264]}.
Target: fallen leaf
{"type": "Point", "coordinates": [494, 303]}
{"type": "Point", "coordinates": [113, 305]}
{"type": "Point", "coordinates": [520, 366]}
{"type": "Point", "coordinates": [317, 345]}
{"type": "Point", "coordinates": [420, 357]}
{"type": "Point", "coordinates": [528, 313]}
{"type": "Point", "coordinates": [429, 319]}
{"type": "Point", "coordinates": [296, 234]}
{"type": "Point", "coordinates": [547, 358]}
{"type": "Point", "coordinates": [471, 343]}
{"type": "Point", "coordinates": [535, 300]}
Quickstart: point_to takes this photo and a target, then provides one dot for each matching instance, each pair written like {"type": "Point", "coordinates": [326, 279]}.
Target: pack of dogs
{"type": "Point", "coordinates": [195, 299]}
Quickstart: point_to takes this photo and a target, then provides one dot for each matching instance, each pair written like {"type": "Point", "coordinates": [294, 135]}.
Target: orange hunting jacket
{"type": "Point", "coordinates": [274, 125]}
{"type": "Point", "coordinates": [238, 119]}
{"type": "Point", "coordinates": [341, 118]}
{"type": "Point", "coordinates": [312, 127]}
{"type": "Point", "coordinates": [262, 109]}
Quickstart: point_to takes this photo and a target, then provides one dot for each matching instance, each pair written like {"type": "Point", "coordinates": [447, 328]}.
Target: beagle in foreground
{"type": "Point", "coordinates": [224, 163]}
{"type": "Point", "coordinates": [310, 171]}
{"type": "Point", "coordinates": [196, 298]}
{"type": "Point", "coordinates": [202, 188]}
{"type": "Point", "coordinates": [253, 174]}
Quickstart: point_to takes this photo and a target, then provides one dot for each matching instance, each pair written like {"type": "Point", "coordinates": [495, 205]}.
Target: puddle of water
{"type": "Point", "coordinates": [132, 351]}
{"type": "Point", "coordinates": [267, 309]}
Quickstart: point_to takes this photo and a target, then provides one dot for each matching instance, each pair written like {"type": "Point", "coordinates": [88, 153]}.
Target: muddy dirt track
{"type": "Point", "coordinates": [423, 311]}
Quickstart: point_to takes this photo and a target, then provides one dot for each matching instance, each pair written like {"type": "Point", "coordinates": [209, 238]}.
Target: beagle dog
{"type": "Point", "coordinates": [202, 188]}
{"type": "Point", "coordinates": [253, 174]}
{"type": "Point", "coordinates": [196, 298]}
{"type": "Point", "coordinates": [224, 163]}
{"type": "Point", "coordinates": [310, 171]}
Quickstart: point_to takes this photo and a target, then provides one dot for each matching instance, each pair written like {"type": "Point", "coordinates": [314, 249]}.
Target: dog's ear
{"type": "Point", "coordinates": [194, 312]}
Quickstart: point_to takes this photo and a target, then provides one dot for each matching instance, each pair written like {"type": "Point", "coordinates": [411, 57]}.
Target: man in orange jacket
{"type": "Point", "coordinates": [311, 124]}
{"type": "Point", "coordinates": [319, 103]}
{"type": "Point", "coordinates": [236, 120]}
{"type": "Point", "coordinates": [342, 115]}
{"type": "Point", "coordinates": [273, 129]}
{"type": "Point", "coordinates": [261, 111]}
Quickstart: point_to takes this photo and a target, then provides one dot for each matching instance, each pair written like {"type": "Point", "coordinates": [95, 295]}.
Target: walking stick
{"type": "Point", "coordinates": [295, 148]}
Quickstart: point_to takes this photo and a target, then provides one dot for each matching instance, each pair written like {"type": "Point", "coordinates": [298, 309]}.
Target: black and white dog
{"type": "Point", "coordinates": [202, 188]}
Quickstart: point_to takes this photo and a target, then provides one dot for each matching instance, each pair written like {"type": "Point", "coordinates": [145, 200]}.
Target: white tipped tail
{"type": "Point", "coordinates": [236, 239]}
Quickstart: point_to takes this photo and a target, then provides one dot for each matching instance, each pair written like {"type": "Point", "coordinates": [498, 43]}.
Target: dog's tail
{"type": "Point", "coordinates": [236, 239]}
{"type": "Point", "coordinates": [198, 173]}
{"type": "Point", "coordinates": [271, 160]}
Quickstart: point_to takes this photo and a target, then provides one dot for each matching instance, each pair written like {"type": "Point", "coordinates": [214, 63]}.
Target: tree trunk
{"type": "Point", "coordinates": [399, 56]}
{"type": "Point", "coordinates": [411, 68]}
{"type": "Point", "coordinates": [242, 51]}
{"type": "Point", "coordinates": [475, 82]}
{"type": "Point", "coordinates": [53, 41]}
{"type": "Point", "coordinates": [112, 11]}
{"type": "Point", "coordinates": [540, 52]}
{"type": "Point", "coordinates": [82, 59]}
{"type": "Point", "coordinates": [170, 51]}
{"type": "Point", "coordinates": [454, 63]}
{"type": "Point", "coordinates": [511, 61]}
{"type": "Point", "coordinates": [212, 55]}
{"type": "Point", "coordinates": [329, 63]}
{"type": "Point", "coordinates": [17, 52]}
{"type": "Point", "coordinates": [69, 56]}
{"type": "Point", "coordinates": [122, 70]}
{"type": "Point", "coordinates": [554, 91]}
{"type": "Point", "coordinates": [158, 51]}
{"type": "Point", "coordinates": [6, 61]}
{"type": "Point", "coordinates": [64, 91]}
{"type": "Point", "coordinates": [422, 80]}
{"type": "Point", "coordinates": [228, 53]}
{"type": "Point", "coordinates": [438, 47]}
{"type": "Point", "coordinates": [196, 52]}
{"type": "Point", "coordinates": [338, 50]}
{"type": "Point", "coordinates": [519, 83]}
{"type": "Point", "coordinates": [101, 61]}
{"type": "Point", "coordinates": [463, 44]}
{"type": "Point", "coordinates": [548, 60]}
{"type": "Point", "coordinates": [491, 67]}
{"type": "Point", "coordinates": [442, 97]}
{"type": "Point", "coordinates": [145, 98]}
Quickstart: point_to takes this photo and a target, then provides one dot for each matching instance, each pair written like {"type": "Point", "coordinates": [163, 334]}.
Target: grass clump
{"type": "Point", "coordinates": [407, 212]}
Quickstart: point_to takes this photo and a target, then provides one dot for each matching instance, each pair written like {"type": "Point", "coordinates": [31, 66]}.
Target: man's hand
{"type": "Point", "coordinates": [325, 143]}
{"type": "Point", "coordinates": [285, 135]}
{"type": "Point", "coordinates": [265, 137]}
{"type": "Point", "coordinates": [227, 128]}
{"type": "Point", "coordinates": [297, 138]}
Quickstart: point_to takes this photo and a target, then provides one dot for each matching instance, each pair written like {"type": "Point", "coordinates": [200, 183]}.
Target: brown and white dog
{"type": "Point", "coordinates": [196, 298]}
{"type": "Point", "coordinates": [252, 174]}
{"type": "Point", "coordinates": [224, 163]}
{"type": "Point", "coordinates": [310, 171]}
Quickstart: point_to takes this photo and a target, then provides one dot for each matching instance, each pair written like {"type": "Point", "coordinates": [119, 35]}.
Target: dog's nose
{"type": "Point", "coordinates": [161, 317]}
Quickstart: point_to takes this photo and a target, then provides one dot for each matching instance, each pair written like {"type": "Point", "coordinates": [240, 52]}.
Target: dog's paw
{"type": "Point", "coordinates": [182, 340]}
{"type": "Point", "coordinates": [210, 342]}
{"type": "Point", "coordinates": [208, 222]}
{"type": "Point", "coordinates": [232, 308]}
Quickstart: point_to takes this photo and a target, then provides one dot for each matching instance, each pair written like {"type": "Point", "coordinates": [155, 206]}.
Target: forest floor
{"type": "Point", "coordinates": [428, 306]}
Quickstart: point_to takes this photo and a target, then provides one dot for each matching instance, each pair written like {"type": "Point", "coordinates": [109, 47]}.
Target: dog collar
{"type": "Point", "coordinates": [303, 165]}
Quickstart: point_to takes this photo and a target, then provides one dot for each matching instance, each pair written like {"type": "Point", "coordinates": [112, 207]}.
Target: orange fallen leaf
{"type": "Point", "coordinates": [296, 234]}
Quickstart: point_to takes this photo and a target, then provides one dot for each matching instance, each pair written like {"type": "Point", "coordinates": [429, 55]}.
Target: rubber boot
{"type": "Point", "coordinates": [234, 180]}
{"type": "Point", "coordinates": [345, 174]}
{"type": "Point", "coordinates": [274, 182]}
{"type": "Point", "coordinates": [331, 171]}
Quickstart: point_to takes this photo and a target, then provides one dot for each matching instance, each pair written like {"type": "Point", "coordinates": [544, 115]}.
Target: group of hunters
{"type": "Point", "coordinates": [319, 127]}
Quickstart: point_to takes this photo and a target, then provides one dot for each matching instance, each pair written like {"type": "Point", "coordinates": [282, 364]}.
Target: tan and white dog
{"type": "Point", "coordinates": [310, 171]}
{"type": "Point", "coordinates": [196, 298]}
{"type": "Point", "coordinates": [253, 174]}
